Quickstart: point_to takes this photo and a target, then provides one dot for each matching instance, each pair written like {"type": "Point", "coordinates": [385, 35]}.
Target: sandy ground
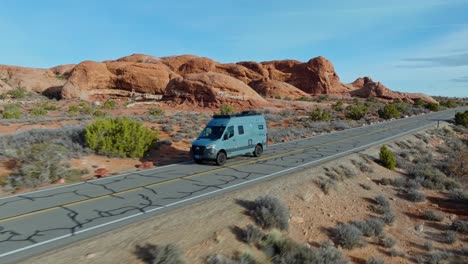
{"type": "Point", "coordinates": [206, 228]}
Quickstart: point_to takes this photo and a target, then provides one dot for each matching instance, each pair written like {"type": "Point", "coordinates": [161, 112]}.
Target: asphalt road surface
{"type": "Point", "coordinates": [35, 222]}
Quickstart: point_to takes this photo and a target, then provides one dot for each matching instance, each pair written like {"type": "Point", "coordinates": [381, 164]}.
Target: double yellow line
{"type": "Point", "coordinates": [189, 176]}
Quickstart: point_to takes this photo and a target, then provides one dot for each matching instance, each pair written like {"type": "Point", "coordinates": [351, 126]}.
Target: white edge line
{"type": "Point", "coordinates": [205, 194]}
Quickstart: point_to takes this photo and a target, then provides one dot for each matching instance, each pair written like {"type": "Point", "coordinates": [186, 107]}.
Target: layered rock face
{"type": "Point", "coordinates": [199, 80]}
{"type": "Point", "coordinates": [366, 87]}
{"type": "Point", "coordinates": [210, 88]}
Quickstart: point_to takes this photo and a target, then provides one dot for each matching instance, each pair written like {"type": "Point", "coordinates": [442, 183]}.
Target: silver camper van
{"type": "Point", "coordinates": [227, 136]}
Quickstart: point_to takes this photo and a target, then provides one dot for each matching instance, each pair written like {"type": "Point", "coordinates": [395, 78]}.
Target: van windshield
{"type": "Point", "coordinates": [212, 132]}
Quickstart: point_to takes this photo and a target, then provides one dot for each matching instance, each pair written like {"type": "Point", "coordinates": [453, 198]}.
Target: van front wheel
{"type": "Point", "coordinates": [221, 159]}
{"type": "Point", "coordinates": [258, 151]}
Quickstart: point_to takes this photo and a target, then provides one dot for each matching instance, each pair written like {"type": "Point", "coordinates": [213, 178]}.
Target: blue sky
{"type": "Point", "coordinates": [408, 45]}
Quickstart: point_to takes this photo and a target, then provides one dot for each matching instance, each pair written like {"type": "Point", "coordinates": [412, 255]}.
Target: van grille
{"type": "Point", "coordinates": [198, 150]}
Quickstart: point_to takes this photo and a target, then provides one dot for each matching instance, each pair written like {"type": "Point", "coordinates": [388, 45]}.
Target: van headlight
{"type": "Point", "coordinates": [211, 149]}
{"type": "Point", "coordinates": [211, 146]}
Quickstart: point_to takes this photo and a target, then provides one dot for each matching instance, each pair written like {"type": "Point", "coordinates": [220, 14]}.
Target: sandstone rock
{"type": "Point", "coordinates": [87, 76]}
{"type": "Point", "coordinates": [141, 77]}
{"type": "Point", "coordinates": [36, 80]}
{"type": "Point", "coordinates": [238, 71]}
{"type": "Point", "coordinates": [4, 87]}
{"type": "Point", "coordinates": [63, 70]}
{"type": "Point", "coordinates": [366, 87]}
{"type": "Point", "coordinates": [174, 62]}
{"type": "Point", "coordinates": [197, 65]}
{"type": "Point", "coordinates": [210, 89]}
{"type": "Point", "coordinates": [297, 219]}
{"type": "Point", "coordinates": [139, 58]}
{"type": "Point", "coordinates": [275, 89]}
{"type": "Point", "coordinates": [59, 181]}
{"type": "Point", "coordinates": [101, 172]}
{"type": "Point", "coordinates": [146, 165]}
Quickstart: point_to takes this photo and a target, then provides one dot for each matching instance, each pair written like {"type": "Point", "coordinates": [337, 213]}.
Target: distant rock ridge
{"type": "Point", "coordinates": [196, 80]}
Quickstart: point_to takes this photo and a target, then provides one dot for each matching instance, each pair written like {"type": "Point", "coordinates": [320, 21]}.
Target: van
{"type": "Point", "coordinates": [227, 136]}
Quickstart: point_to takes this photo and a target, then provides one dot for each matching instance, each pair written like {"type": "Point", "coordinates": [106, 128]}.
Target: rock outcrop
{"type": "Point", "coordinates": [36, 80]}
{"type": "Point", "coordinates": [277, 89]}
{"type": "Point", "coordinates": [211, 89]}
{"type": "Point", "coordinates": [366, 87]}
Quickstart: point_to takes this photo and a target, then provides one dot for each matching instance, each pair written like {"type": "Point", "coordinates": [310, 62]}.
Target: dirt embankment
{"type": "Point", "coordinates": [206, 228]}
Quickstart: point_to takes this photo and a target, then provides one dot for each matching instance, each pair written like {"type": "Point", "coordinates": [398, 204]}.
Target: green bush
{"type": "Point", "coordinates": [387, 158]}
{"type": "Point", "coordinates": [251, 234]}
{"type": "Point", "coordinates": [18, 93]}
{"type": "Point", "coordinates": [461, 119]}
{"type": "Point", "coordinates": [11, 111]}
{"type": "Point", "coordinates": [389, 111]}
{"type": "Point", "coordinates": [434, 107]}
{"type": "Point", "coordinates": [119, 136]}
{"type": "Point", "coordinates": [73, 110]}
{"type": "Point", "coordinates": [156, 112]}
{"type": "Point", "coordinates": [449, 103]}
{"type": "Point", "coordinates": [110, 104]}
{"type": "Point", "coordinates": [38, 111]}
{"type": "Point", "coordinates": [338, 106]}
{"type": "Point", "coordinates": [39, 163]}
{"type": "Point", "coordinates": [356, 112]}
{"type": "Point", "coordinates": [226, 109]}
{"type": "Point", "coordinates": [239, 259]}
{"type": "Point", "coordinates": [432, 216]}
{"type": "Point", "coordinates": [49, 107]}
{"type": "Point", "coordinates": [99, 113]}
{"type": "Point", "coordinates": [319, 115]}
{"type": "Point", "coordinates": [373, 260]}
{"type": "Point", "coordinates": [419, 103]}
{"type": "Point", "coordinates": [347, 235]}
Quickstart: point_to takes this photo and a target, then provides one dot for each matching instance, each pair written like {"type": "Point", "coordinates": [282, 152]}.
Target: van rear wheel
{"type": "Point", "coordinates": [221, 159]}
{"type": "Point", "coordinates": [258, 151]}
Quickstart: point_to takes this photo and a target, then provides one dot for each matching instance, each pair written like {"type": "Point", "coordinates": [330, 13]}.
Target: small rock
{"type": "Point", "coordinates": [453, 217]}
{"type": "Point", "coordinates": [435, 205]}
{"type": "Point", "coordinates": [59, 181]}
{"type": "Point", "coordinates": [146, 165]}
{"type": "Point", "coordinates": [392, 198]}
{"type": "Point", "coordinates": [419, 228]}
{"type": "Point", "coordinates": [101, 172]}
{"type": "Point", "coordinates": [297, 219]}
{"type": "Point", "coordinates": [90, 255]}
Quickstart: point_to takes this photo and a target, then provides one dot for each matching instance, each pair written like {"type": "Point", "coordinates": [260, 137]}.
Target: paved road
{"type": "Point", "coordinates": [35, 222]}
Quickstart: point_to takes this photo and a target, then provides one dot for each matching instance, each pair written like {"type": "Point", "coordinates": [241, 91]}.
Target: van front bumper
{"type": "Point", "coordinates": [200, 152]}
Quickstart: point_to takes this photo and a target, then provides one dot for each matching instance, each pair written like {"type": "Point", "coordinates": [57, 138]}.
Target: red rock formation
{"type": "Point", "coordinates": [85, 77]}
{"type": "Point", "coordinates": [211, 89]}
{"type": "Point", "coordinates": [36, 80]}
{"type": "Point", "coordinates": [275, 89]}
{"type": "Point", "coordinates": [366, 87]}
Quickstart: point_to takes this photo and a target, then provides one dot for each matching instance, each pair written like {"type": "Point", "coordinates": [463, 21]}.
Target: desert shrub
{"type": "Point", "coordinates": [460, 226]}
{"type": "Point", "coordinates": [70, 137]}
{"type": "Point", "coordinates": [448, 103]}
{"type": "Point", "coordinates": [269, 211]}
{"type": "Point", "coordinates": [110, 104]}
{"type": "Point", "coordinates": [356, 111]}
{"type": "Point", "coordinates": [82, 108]}
{"type": "Point", "coordinates": [99, 113]}
{"type": "Point", "coordinates": [461, 119]}
{"type": "Point", "coordinates": [373, 260]}
{"type": "Point", "coordinates": [338, 106]}
{"type": "Point", "coordinates": [382, 201]}
{"type": "Point", "coordinates": [388, 217]}
{"type": "Point", "coordinates": [251, 234]}
{"type": "Point", "coordinates": [438, 257]}
{"type": "Point", "coordinates": [395, 253]}
{"type": "Point", "coordinates": [177, 137]}
{"type": "Point", "coordinates": [459, 196]}
{"type": "Point", "coordinates": [432, 216]}
{"type": "Point", "coordinates": [347, 235]}
{"type": "Point", "coordinates": [18, 93]}
{"type": "Point", "coordinates": [326, 184]}
{"type": "Point", "coordinates": [456, 164]}
{"type": "Point", "coordinates": [388, 242]}
{"type": "Point", "coordinates": [347, 172]}
{"type": "Point", "coordinates": [38, 111]}
{"type": "Point", "coordinates": [319, 115]}
{"type": "Point", "coordinates": [119, 136]}
{"type": "Point", "coordinates": [428, 246]}
{"type": "Point", "coordinates": [464, 250]}
{"type": "Point", "coordinates": [414, 195]}
{"type": "Point", "coordinates": [73, 110]}
{"type": "Point", "coordinates": [370, 227]}
{"type": "Point", "coordinates": [434, 107]}
{"type": "Point", "coordinates": [220, 259]}
{"type": "Point", "coordinates": [387, 158]}
{"type": "Point", "coordinates": [155, 111]}
{"type": "Point", "coordinates": [49, 107]}
{"type": "Point", "coordinates": [429, 177]}
{"type": "Point", "coordinates": [155, 254]}
{"type": "Point", "coordinates": [327, 254]}
{"type": "Point", "coordinates": [11, 111]}
{"type": "Point", "coordinates": [40, 163]}
{"type": "Point", "coordinates": [389, 111]}
{"type": "Point", "coordinates": [226, 109]}
{"type": "Point", "coordinates": [450, 237]}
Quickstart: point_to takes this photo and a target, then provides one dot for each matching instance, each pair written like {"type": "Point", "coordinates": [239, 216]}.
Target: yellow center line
{"type": "Point", "coordinates": [189, 176]}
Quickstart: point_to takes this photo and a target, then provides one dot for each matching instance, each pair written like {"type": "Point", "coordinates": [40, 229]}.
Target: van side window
{"type": "Point", "coordinates": [260, 127]}
{"type": "Point", "coordinates": [230, 132]}
{"type": "Point", "coordinates": [240, 130]}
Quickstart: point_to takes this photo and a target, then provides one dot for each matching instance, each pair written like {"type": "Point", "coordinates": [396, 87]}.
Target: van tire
{"type": "Point", "coordinates": [258, 151]}
{"type": "Point", "coordinates": [221, 158]}
{"type": "Point", "coordinates": [198, 161]}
